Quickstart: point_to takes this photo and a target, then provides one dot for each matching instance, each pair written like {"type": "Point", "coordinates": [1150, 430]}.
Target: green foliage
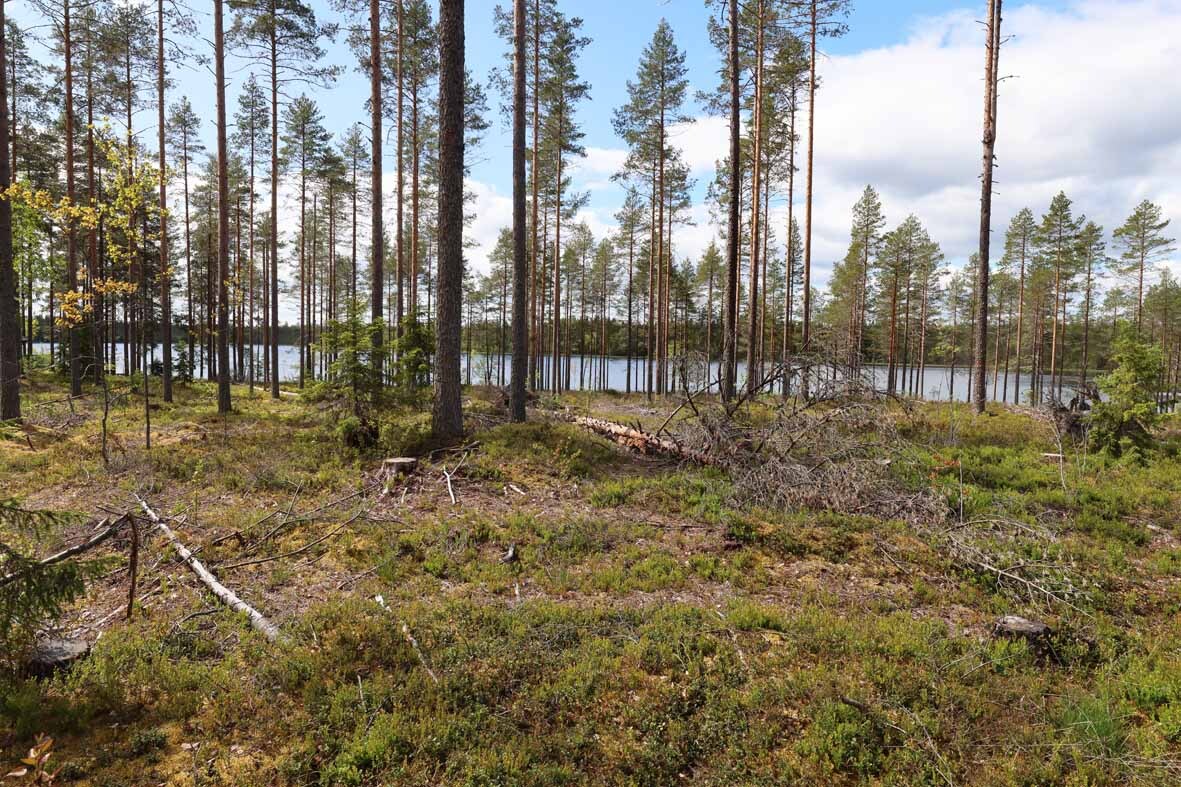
{"type": "Point", "coordinates": [845, 739]}
{"type": "Point", "coordinates": [1124, 420]}
{"type": "Point", "coordinates": [182, 370]}
{"type": "Point", "coordinates": [354, 375]}
{"type": "Point", "coordinates": [412, 365]}
{"type": "Point", "coordinates": [31, 594]}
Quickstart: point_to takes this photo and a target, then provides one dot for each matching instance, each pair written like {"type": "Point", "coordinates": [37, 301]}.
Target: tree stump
{"type": "Point", "coordinates": [53, 654]}
{"type": "Point", "coordinates": [1034, 633]}
{"type": "Point", "coordinates": [398, 466]}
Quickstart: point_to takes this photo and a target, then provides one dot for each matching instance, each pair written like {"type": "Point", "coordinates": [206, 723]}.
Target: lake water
{"type": "Point", "coordinates": [937, 382]}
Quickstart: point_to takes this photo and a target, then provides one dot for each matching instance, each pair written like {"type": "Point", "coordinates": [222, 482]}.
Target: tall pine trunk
{"type": "Point", "coordinates": [274, 239]}
{"type": "Point", "coordinates": [730, 306]}
{"type": "Point", "coordinates": [71, 245]}
{"type": "Point", "coordinates": [377, 258]}
{"type": "Point", "coordinates": [165, 276]}
{"type": "Point", "coordinates": [980, 339]}
{"type": "Point", "coordinates": [223, 217]}
{"type": "Point", "coordinates": [10, 401]}
{"type": "Point", "coordinates": [447, 417]}
{"type": "Point", "coordinates": [520, 262]}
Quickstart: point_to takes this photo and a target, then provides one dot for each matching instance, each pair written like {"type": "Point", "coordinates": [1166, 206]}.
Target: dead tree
{"type": "Point", "coordinates": [991, 78]}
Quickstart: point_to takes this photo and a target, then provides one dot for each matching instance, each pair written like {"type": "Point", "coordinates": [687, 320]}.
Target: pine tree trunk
{"type": "Point", "coordinates": [520, 261]}
{"type": "Point", "coordinates": [378, 245]}
{"type": "Point", "coordinates": [980, 342]}
{"type": "Point", "coordinates": [165, 275]}
{"type": "Point", "coordinates": [10, 402]}
{"type": "Point", "coordinates": [274, 239]}
{"type": "Point", "coordinates": [730, 306]}
{"type": "Point", "coordinates": [807, 318]}
{"type": "Point", "coordinates": [447, 417]}
{"type": "Point", "coordinates": [223, 218]}
{"type": "Point", "coordinates": [71, 336]}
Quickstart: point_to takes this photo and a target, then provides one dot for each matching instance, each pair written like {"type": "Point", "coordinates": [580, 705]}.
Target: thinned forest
{"type": "Point", "coordinates": [302, 482]}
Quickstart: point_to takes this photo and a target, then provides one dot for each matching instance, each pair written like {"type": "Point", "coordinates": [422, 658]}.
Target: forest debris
{"type": "Point", "coordinates": [642, 441]}
{"type": "Point", "coordinates": [258, 621]}
{"type": "Point", "coordinates": [96, 539]}
{"type": "Point", "coordinates": [1017, 627]}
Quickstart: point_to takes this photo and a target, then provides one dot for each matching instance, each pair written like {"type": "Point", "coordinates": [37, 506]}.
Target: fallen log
{"type": "Point", "coordinates": [642, 441]}
{"type": "Point", "coordinates": [258, 621]}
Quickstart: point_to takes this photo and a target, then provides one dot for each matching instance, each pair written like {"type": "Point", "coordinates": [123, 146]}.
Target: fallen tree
{"type": "Point", "coordinates": [258, 621]}
{"type": "Point", "coordinates": [642, 441]}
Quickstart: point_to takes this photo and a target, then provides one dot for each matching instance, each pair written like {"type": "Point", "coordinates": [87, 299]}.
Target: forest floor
{"type": "Point", "coordinates": [656, 626]}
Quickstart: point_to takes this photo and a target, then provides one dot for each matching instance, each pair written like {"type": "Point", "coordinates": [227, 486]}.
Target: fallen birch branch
{"type": "Point", "coordinates": [258, 621]}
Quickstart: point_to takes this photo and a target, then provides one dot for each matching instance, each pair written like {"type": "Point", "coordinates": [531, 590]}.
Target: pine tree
{"type": "Point", "coordinates": [184, 128]}
{"type": "Point", "coordinates": [447, 415]}
{"type": "Point", "coordinates": [866, 237]}
{"type": "Point", "coordinates": [251, 131]}
{"type": "Point", "coordinates": [1094, 257]}
{"type": "Point", "coordinates": [1142, 241]}
{"type": "Point", "coordinates": [561, 92]}
{"type": "Point", "coordinates": [304, 142]}
{"type": "Point", "coordinates": [1057, 250]}
{"type": "Point", "coordinates": [1019, 246]}
{"type": "Point", "coordinates": [10, 406]}
{"type": "Point", "coordinates": [285, 37]}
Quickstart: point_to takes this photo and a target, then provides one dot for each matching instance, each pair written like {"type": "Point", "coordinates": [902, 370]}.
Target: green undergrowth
{"type": "Point", "coordinates": [652, 627]}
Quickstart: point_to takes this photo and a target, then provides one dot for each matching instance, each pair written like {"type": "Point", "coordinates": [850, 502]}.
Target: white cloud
{"type": "Point", "coordinates": [1092, 107]}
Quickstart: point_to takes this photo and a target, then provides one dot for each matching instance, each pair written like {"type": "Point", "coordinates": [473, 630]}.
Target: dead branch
{"type": "Point", "coordinates": [299, 551]}
{"type": "Point", "coordinates": [73, 551]}
{"type": "Point", "coordinates": [258, 621]}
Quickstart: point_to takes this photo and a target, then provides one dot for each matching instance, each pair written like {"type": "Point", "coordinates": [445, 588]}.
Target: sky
{"type": "Point", "coordinates": [1090, 104]}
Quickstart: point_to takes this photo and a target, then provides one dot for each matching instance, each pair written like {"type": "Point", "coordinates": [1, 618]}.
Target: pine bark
{"type": "Point", "coordinates": [447, 421]}
{"type": "Point", "coordinates": [520, 261]}
{"type": "Point", "coordinates": [730, 296]}
{"type": "Point", "coordinates": [10, 403]}
{"type": "Point", "coordinates": [980, 340]}
{"type": "Point", "coordinates": [223, 217]}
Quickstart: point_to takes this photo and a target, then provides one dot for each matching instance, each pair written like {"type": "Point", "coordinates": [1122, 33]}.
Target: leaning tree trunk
{"type": "Point", "coordinates": [980, 340]}
{"type": "Point", "coordinates": [447, 421]}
